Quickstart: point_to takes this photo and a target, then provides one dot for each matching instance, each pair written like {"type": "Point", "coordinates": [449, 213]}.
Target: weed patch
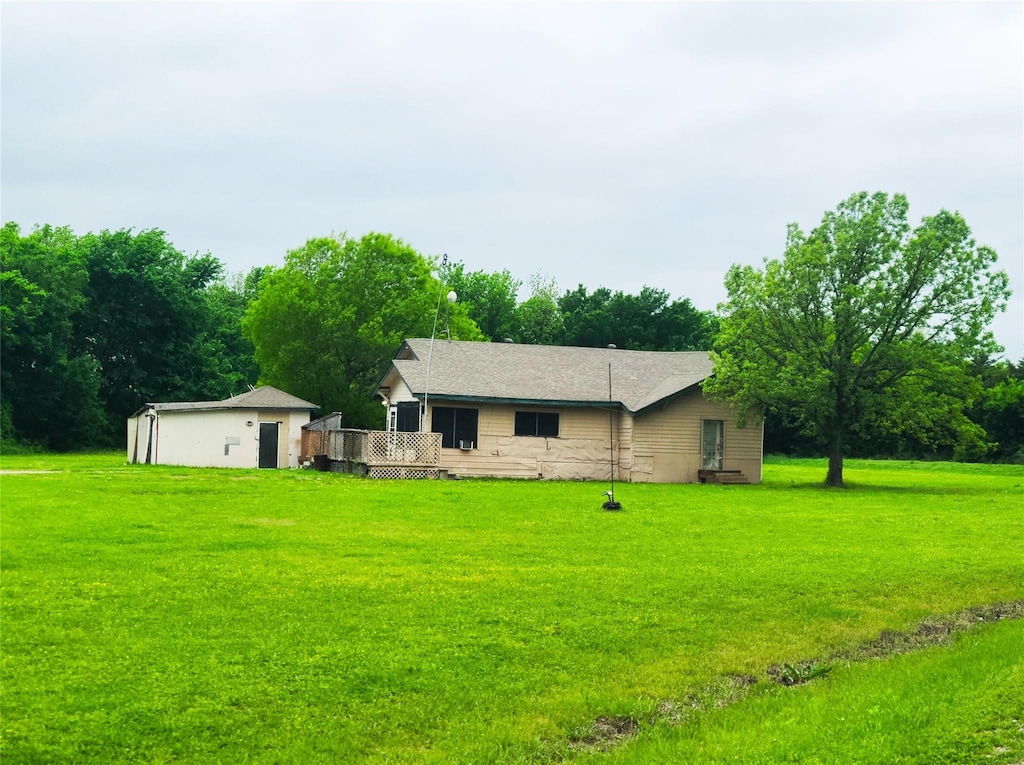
{"type": "Point", "coordinates": [606, 732]}
{"type": "Point", "coordinates": [799, 673]}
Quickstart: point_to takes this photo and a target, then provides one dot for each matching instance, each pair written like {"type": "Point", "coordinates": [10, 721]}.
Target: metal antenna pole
{"type": "Point", "coordinates": [430, 353]}
{"type": "Point", "coordinates": [611, 504]}
{"type": "Point", "coordinates": [611, 433]}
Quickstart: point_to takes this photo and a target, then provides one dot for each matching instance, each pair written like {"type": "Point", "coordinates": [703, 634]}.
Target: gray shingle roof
{"type": "Point", "coordinates": [265, 397]}
{"type": "Point", "coordinates": [547, 374]}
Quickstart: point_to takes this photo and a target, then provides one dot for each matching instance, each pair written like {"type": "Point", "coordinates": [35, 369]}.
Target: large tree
{"type": "Point", "coordinates": [1000, 408]}
{"type": "Point", "coordinates": [539, 320]}
{"type": "Point", "coordinates": [490, 299]}
{"type": "Point", "coordinates": [863, 324]}
{"type": "Point", "coordinates": [93, 326]}
{"type": "Point", "coordinates": [225, 358]}
{"type": "Point", "coordinates": [49, 389]}
{"type": "Point", "coordinates": [326, 324]}
{"type": "Point", "coordinates": [147, 322]}
{"type": "Point", "coordinates": [649, 321]}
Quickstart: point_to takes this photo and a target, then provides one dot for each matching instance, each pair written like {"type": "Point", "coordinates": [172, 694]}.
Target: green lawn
{"type": "Point", "coordinates": [162, 614]}
{"type": "Point", "coordinates": [958, 704]}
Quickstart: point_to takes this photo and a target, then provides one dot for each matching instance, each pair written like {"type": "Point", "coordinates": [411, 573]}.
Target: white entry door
{"type": "Point", "coordinates": [712, 446]}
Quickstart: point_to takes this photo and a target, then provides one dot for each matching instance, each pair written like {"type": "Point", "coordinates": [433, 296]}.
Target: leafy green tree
{"type": "Point", "coordinates": [643, 322]}
{"type": "Point", "coordinates": [248, 285]}
{"type": "Point", "coordinates": [326, 324]}
{"type": "Point", "coordinates": [897, 424]}
{"type": "Point", "coordinates": [490, 299]}
{"type": "Point", "coordinates": [684, 327]}
{"type": "Point", "coordinates": [226, 357]}
{"type": "Point", "coordinates": [587, 317]}
{"type": "Point", "coordinates": [999, 409]}
{"type": "Point", "coordinates": [49, 391]}
{"type": "Point", "coordinates": [538, 318]}
{"type": "Point", "coordinates": [861, 324]}
{"type": "Point", "coordinates": [898, 428]}
{"type": "Point", "coordinates": [94, 326]}
{"type": "Point", "coordinates": [147, 323]}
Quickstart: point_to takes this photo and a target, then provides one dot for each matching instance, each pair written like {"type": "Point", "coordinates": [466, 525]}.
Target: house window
{"type": "Point", "coordinates": [456, 426]}
{"type": "Point", "coordinates": [537, 424]}
{"type": "Point", "coordinates": [404, 417]}
{"type": "Point", "coordinates": [408, 417]}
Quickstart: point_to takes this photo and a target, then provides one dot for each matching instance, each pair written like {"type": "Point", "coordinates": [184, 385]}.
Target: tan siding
{"type": "Point", "coordinates": [585, 423]}
{"type": "Point", "coordinates": [477, 463]}
{"type": "Point", "coordinates": [670, 438]}
{"type": "Point", "coordinates": [662, 445]}
{"type": "Point", "coordinates": [624, 467]}
{"type": "Point", "coordinates": [643, 469]}
{"type": "Point", "coordinates": [580, 451]}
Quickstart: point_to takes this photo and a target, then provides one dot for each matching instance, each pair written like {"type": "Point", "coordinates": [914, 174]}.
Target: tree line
{"type": "Point", "coordinates": [96, 325]}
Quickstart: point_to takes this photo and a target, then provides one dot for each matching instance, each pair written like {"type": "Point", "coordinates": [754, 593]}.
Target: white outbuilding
{"type": "Point", "coordinates": [260, 428]}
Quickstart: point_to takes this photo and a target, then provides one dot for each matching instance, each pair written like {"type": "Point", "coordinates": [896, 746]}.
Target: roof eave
{"type": "Point", "coordinates": [393, 368]}
{"type": "Point", "coordinates": [519, 401]}
{"type": "Point", "coordinates": [668, 399]}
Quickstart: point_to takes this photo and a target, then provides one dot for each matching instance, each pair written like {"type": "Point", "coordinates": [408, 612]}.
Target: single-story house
{"type": "Point", "coordinates": [259, 428]}
{"type": "Point", "coordinates": [512, 410]}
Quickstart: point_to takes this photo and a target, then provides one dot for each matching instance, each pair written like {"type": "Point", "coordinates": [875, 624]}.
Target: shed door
{"type": "Point", "coordinates": [268, 444]}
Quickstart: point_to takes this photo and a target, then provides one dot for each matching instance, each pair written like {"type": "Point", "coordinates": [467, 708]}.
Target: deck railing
{"type": "Point", "coordinates": [410, 449]}
{"type": "Point", "coordinates": [375, 453]}
{"type": "Point", "coordinates": [339, 445]}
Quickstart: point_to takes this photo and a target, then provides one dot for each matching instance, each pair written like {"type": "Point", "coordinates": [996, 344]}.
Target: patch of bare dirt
{"type": "Point", "coordinates": [607, 732]}
{"type": "Point", "coordinates": [934, 631]}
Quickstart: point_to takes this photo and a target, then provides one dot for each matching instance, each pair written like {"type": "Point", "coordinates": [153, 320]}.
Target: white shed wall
{"type": "Point", "coordinates": [206, 438]}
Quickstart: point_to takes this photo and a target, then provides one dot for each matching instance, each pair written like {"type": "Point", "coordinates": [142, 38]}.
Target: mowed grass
{"type": "Point", "coordinates": [962, 703]}
{"type": "Point", "coordinates": [161, 614]}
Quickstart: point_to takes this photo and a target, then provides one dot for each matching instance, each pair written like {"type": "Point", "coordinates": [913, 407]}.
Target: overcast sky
{"type": "Point", "coordinates": [604, 144]}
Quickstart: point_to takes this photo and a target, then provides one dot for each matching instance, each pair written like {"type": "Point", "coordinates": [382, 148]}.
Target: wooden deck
{"type": "Point", "coordinates": [374, 453]}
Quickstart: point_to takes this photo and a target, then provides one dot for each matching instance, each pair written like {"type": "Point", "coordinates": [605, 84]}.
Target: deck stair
{"type": "Point", "coordinates": [722, 476]}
